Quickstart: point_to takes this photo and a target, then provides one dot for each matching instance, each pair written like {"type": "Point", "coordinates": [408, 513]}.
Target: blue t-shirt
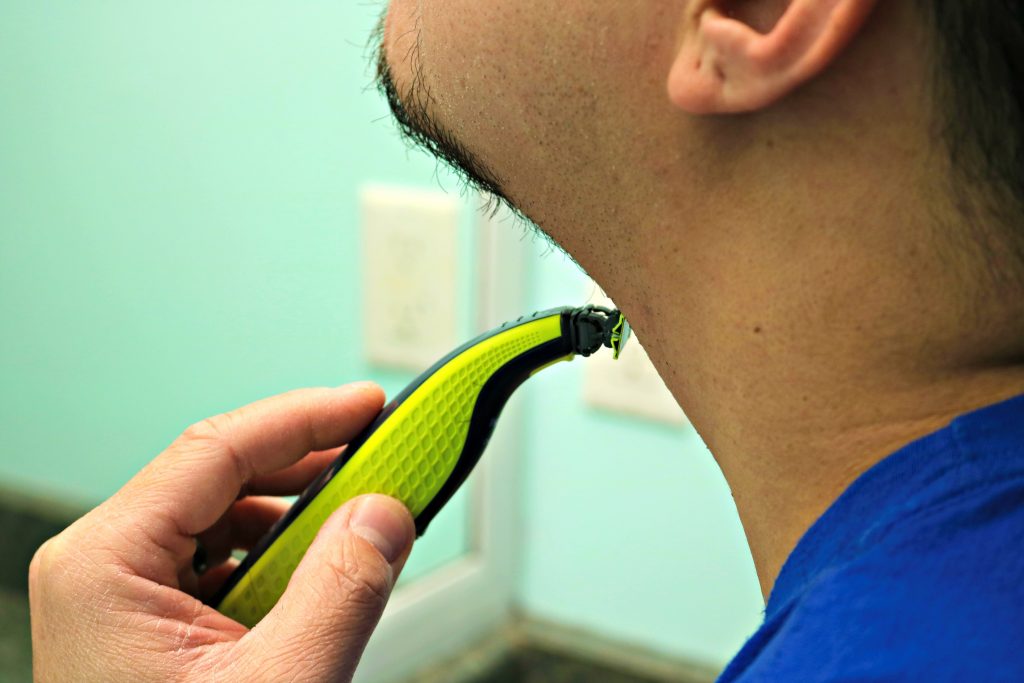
{"type": "Point", "coordinates": [916, 572]}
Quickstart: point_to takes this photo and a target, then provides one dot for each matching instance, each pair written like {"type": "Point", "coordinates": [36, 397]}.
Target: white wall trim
{"type": "Point", "coordinates": [434, 617]}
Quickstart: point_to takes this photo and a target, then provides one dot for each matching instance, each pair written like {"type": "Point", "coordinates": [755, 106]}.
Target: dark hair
{"type": "Point", "coordinates": [979, 45]}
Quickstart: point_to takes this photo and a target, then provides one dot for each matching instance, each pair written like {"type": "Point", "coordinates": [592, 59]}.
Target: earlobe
{"type": "Point", "coordinates": [725, 64]}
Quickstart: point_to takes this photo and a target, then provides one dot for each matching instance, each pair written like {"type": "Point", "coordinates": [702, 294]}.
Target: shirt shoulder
{"type": "Point", "coordinates": [936, 593]}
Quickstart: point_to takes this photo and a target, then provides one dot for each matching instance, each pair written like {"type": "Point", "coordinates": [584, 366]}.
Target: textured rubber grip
{"type": "Point", "coordinates": [409, 456]}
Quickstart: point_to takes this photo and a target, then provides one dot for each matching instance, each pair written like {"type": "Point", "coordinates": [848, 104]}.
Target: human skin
{"type": "Point", "coordinates": [760, 187]}
{"type": "Point", "coordinates": [115, 598]}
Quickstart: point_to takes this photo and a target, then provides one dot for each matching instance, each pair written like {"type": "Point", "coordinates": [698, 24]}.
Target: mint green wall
{"type": "Point", "coordinates": [178, 236]}
{"type": "Point", "coordinates": [178, 225]}
{"type": "Point", "coordinates": [630, 529]}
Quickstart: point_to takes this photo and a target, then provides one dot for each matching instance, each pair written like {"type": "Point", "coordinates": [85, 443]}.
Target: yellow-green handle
{"type": "Point", "coordinates": [410, 456]}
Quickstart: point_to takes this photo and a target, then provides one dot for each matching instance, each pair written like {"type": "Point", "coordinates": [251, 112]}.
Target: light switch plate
{"type": "Point", "coordinates": [410, 275]}
{"type": "Point", "coordinates": [629, 385]}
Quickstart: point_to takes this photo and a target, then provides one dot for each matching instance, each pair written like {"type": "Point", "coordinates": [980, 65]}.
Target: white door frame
{"type": "Point", "coordinates": [438, 615]}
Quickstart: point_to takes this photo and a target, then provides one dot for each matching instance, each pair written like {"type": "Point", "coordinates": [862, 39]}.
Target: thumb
{"type": "Point", "coordinates": [319, 627]}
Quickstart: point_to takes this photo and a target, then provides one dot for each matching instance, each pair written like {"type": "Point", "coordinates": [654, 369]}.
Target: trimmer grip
{"type": "Point", "coordinates": [410, 452]}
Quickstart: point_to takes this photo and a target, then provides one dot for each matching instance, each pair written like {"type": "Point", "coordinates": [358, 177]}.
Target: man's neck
{"type": "Point", "coordinates": [807, 355]}
{"type": "Point", "coordinates": [782, 490]}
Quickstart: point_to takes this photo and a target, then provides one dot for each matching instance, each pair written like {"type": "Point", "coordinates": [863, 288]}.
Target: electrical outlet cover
{"type": "Point", "coordinates": [410, 254]}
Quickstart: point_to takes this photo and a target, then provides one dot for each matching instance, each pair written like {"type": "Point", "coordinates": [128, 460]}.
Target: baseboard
{"type": "Point", "coordinates": [528, 650]}
{"type": "Point", "coordinates": [556, 638]}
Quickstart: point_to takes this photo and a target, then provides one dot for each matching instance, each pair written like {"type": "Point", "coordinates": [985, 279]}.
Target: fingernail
{"type": "Point", "coordinates": [359, 386]}
{"type": "Point", "coordinates": [380, 521]}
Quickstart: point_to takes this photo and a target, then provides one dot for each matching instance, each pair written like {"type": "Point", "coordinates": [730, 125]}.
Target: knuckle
{"type": "Point", "coordinates": [213, 435]}
{"type": "Point", "coordinates": [208, 431]}
{"type": "Point", "coordinates": [35, 567]}
{"type": "Point", "coordinates": [363, 577]}
{"type": "Point", "coordinates": [52, 565]}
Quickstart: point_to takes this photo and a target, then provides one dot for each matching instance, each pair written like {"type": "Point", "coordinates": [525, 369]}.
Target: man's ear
{"type": "Point", "coordinates": [742, 55]}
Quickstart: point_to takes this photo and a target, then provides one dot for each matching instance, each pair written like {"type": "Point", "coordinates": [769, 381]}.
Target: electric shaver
{"type": "Point", "coordinates": [423, 444]}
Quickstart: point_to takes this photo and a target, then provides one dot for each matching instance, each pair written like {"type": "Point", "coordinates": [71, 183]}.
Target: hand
{"type": "Point", "coordinates": [114, 597]}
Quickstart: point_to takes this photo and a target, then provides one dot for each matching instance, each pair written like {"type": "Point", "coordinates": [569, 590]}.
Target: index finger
{"type": "Point", "coordinates": [193, 482]}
